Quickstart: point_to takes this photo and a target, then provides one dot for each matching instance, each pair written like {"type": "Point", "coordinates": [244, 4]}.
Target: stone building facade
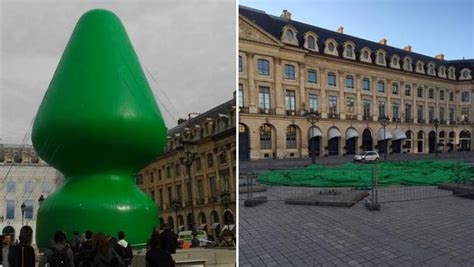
{"type": "Point", "coordinates": [24, 179]}
{"type": "Point", "coordinates": [213, 171]}
{"type": "Point", "coordinates": [287, 68]}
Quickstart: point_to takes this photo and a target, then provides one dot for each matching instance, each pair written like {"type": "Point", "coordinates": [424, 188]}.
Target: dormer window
{"type": "Point", "coordinates": [394, 62]}
{"type": "Point", "coordinates": [465, 74]}
{"type": "Point", "coordinates": [431, 69]}
{"type": "Point", "coordinates": [330, 47]}
{"type": "Point", "coordinates": [380, 58]}
{"type": "Point", "coordinates": [420, 67]}
{"type": "Point", "coordinates": [442, 72]}
{"type": "Point", "coordinates": [349, 50]}
{"type": "Point", "coordinates": [311, 41]}
{"type": "Point", "coordinates": [451, 72]}
{"type": "Point", "coordinates": [289, 35]}
{"type": "Point", "coordinates": [407, 64]}
{"type": "Point", "coordinates": [365, 55]}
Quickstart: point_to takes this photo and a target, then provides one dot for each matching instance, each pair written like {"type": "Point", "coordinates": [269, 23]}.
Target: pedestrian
{"type": "Point", "coordinates": [123, 249]}
{"type": "Point", "coordinates": [105, 256]}
{"type": "Point", "coordinates": [169, 240]}
{"type": "Point", "coordinates": [157, 257]}
{"type": "Point", "coordinates": [8, 251]}
{"type": "Point", "coordinates": [25, 253]}
{"type": "Point", "coordinates": [195, 241]}
{"type": "Point", "coordinates": [75, 244]}
{"type": "Point", "coordinates": [87, 250]}
{"type": "Point", "coordinates": [59, 253]}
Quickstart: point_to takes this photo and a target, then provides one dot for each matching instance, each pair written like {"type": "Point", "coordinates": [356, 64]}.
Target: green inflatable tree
{"type": "Point", "coordinates": [98, 124]}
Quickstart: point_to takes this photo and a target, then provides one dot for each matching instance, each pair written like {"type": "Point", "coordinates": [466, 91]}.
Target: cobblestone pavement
{"type": "Point", "coordinates": [430, 232]}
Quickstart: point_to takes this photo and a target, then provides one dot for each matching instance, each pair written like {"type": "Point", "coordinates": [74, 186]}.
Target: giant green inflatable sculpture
{"type": "Point", "coordinates": [98, 124]}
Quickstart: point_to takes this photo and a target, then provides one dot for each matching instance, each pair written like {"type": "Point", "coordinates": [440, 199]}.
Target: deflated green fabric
{"type": "Point", "coordinates": [421, 172]}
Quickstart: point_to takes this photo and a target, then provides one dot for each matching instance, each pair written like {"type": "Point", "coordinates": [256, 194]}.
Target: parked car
{"type": "Point", "coordinates": [367, 156]}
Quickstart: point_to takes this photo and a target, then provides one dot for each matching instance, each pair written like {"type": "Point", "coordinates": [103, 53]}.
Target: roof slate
{"type": "Point", "coordinates": [274, 25]}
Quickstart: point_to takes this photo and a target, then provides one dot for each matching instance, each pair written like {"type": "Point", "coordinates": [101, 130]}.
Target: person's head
{"type": "Point", "coordinates": [7, 239]}
{"type": "Point", "coordinates": [59, 237]}
{"type": "Point", "coordinates": [88, 234]}
{"type": "Point", "coordinates": [121, 235]}
{"type": "Point", "coordinates": [24, 240]}
{"type": "Point", "coordinates": [101, 242]}
{"type": "Point", "coordinates": [155, 241]}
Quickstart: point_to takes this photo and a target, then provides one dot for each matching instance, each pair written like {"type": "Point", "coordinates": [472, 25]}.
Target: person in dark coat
{"type": "Point", "coordinates": [105, 256]}
{"type": "Point", "coordinates": [169, 240]}
{"type": "Point", "coordinates": [7, 257]}
{"type": "Point", "coordinates": [123, 249]}
{"type": "Point", "coordinates": [59, 246]}
{"type": "Point", "coordinates": [25, 253]}
{"type": "Point", "coordinates": [87, 250]}
{"type": "Point", "coordinates": [157, 257]}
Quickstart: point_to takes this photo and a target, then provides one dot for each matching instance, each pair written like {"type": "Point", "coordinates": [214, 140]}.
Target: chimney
{"type": "Point", "coordinates": [181, 120]}
{"type": "Point", "coordinates": [285, 14]}
{"type": "Point", "coordinates": [440, 56]}
{"type": "Point", "coordinates": [407, 48]}
{"type": "Point", "coordinates": [192, 115]}
{"type": "Point", "coordinates": [383, 41]}
{"type": "Point", "coordinates": [340, 29]}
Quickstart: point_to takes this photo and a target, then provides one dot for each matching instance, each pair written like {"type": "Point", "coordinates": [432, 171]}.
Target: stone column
{"type": "Point", "coordinates": [253, 94]}
{"type": "Point", "coordinates": [302, 89]}
{"type": "Point", "coordinates": [279, 99]}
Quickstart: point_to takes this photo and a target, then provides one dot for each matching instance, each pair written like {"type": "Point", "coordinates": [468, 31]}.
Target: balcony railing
{"type": "Point", "coordinates": [394, 119]}
{"type": "Point", "coordinates": [452, 122]}
{"type": "Point", "coordinates": [291, 113]}
{"type": "Point", "coordinates": [270, 111]}
{"type": "Point", "coordinates": [351, 117]}
{"type": "Point", "coordinates": [333, 116]}
{"type": "Point", "coordinates": [244, 109]}
{"type": "Point", "coordinates": [407, 119]}
{"type": "Point", "coordinates": [367, 118]}
{"type": "Point", "coordinates": [442, 122]}
{"type": "Point", "coordinates": [421, 120]}
{"type": "Point", "coordinates": [431, 121]}
{"type": "Point", "coordinates": [200, 201]}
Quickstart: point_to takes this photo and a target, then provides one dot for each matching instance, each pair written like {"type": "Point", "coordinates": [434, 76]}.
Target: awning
{"type": "Point", "coordinates": [351, 133]}
{"type": "Point", "coordinates": [231, 226]}
{"type": "Point", "coordinates": [398, 134]}
{"type": "Point", "coordinates": [214, 225]}
{"type": "Point", "coordinates": [380, 135]}
{"type": "Point", "coordinates": [333, 133]}
{"type": "Point", "coordinates": [314, 132]}
{"type": "Point", "coordinates": [202, 226]}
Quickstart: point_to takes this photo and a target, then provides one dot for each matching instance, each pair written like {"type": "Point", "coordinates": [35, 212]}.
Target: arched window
{"type": "Point", "coordinates": [330, 47]}
{"type": "Point", "coordinates": [394, 61]}
{"type": "Point", "coordinates": [451, 72]}
{"type": "Point", "coordinates": [265, 136]}
{"type": "Point", "coordinates": [465, 74]}
{"type": "Point", "coordinates": [381, 58]}
{"type": "Point", "coordinates": [289, 35]}
{"type": "Point", "coordinates": [420, 135]}
{"type": "Point", "coordinates": [407, 64]}
{"type": "Point", "coordinates": [291, 137]}
{"type": "Point", "coordinates": [349, 50]}
{"type": "Point", "coordinates": [442, 72]}
{"type": "Point", "coordinates": [365, 55]}
{"type": "Point", "coordinates": [310, 42]}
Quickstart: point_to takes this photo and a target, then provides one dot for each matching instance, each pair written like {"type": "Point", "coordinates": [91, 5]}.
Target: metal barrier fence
{"type": "Point", "coordinates": [377, 192]}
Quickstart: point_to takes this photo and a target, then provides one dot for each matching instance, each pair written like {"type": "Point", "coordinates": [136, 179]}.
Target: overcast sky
{"type": "Point", "coordinates": [188, 46]}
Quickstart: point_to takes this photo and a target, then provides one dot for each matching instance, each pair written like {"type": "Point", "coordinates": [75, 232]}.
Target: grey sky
{"type": "Point", "coordinates": [188, 46]}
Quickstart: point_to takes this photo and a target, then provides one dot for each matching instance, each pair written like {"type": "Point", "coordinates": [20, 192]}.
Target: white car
{"type": "Point", "coordinates": [367, 156]}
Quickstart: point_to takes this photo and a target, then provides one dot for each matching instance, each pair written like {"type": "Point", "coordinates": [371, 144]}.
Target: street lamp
{"type": "Point", "coordinates": [436, 125]}
{"type": "Point", "coordinates": [384, 121]}
{"type": "Point", "coordinates": [176, 205]}
{"type": "Point", "coordinates": [312, 117]}
{"type": "Point", "coordinates": [225, 199]}
{"type": "Point", "coordinates": [23, 208]}
{"type": "Point", "coordinates": [187, 151]}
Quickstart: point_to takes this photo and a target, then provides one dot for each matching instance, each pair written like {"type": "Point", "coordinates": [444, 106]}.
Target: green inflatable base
{"type": "Point", "coordinates": [106, 203]}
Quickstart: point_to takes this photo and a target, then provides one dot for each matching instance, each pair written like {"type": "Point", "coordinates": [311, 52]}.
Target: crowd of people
{"type": "Point", "coordinates": [99, 250]}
